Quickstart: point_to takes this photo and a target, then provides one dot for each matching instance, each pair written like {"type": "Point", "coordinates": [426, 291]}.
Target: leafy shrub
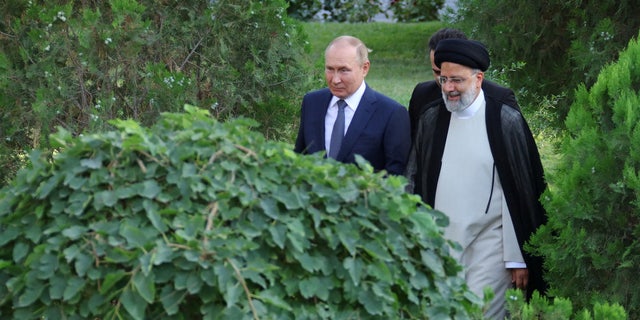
{"type": "Point", "coordinates": [540, 308]}
{"type": "Point", "coordinates": [199, 219]}
{"type": "Point", "coordinates": [591, 243]}
{"type": "Point", "coordinates": [364, 10]}
{"type": "Point", "coordinates": [78, 64]}
{"type": "Point", "coordinates": [562, 43]}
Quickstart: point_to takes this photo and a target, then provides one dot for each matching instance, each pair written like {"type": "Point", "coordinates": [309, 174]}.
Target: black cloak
{"type": "Point", "coordinates": [516, 158]}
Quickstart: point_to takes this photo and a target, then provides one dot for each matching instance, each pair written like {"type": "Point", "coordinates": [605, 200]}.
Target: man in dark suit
{"type": "Point", "coordinates": [372, 125]}
{"type": "Point", "coordinates": [429, 93]}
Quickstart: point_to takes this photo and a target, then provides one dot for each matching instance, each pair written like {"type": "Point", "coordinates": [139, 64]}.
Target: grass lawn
{"type": "Point", "coordinates": [398, 52]}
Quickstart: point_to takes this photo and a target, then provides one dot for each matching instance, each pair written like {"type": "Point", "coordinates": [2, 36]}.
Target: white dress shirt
{"type": "Point", "coordinates": [332, 113]}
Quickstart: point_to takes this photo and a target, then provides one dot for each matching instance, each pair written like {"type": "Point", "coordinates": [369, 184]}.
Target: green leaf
{"type": "Point", "coordinates": [278, 234]}
{"type": "Point", "coordinates": [194, 283]}
{"type": "Point", "coordinates": [110, 280]}
{"type": "Point", "coordinates": [433, 262]}
{"type": "Point", "coordinates": [46, 266]}
{"type": "Point", "coordinates": [133, 303]}
{"type": "Point", "coordinates": [355, 268]}
{"type": "Point", "coordinates": [270, 208]}
{"type": "Point", "coordinates": [8, 234]}
{"type": "Point", "coordinates": [94, 163]}
{"type": "Point", "coordinates": [289, 198]}
{"type": "Point", "coordinates": [348, 235]}
{"type": "Point", "coordinates": [20, 250]}
{"type": "Point", "coordinates": [371, 302]}
{"type": "Point", "coordinates": [56, 287]}
{"type": "Point", "coordinates": [151, 189]}
{"type": "Point", "coordinates": [151, 209]}
{"type": "Point", "coordinates": [171, 299]}
{"type": "Point", "coordinates": [377, 251]}
{"type": "Point", "coordinates": [83, 264]}
{"type": "Point", "coordinates": [47, 186]}
{"type": "Point", "coordinates": [274, 299]}
{"type": "Point", "coordinates": [134, 236]}
{"type": "Point", "coordinates": [30, 295]}
{"type": "Point", "coordinates": [314, 286]}
{"type": "Point", "coordinates": [145, 286]}
{"type": "Point", "coordinates": [74, 232]}
{"type": "Point", "coordinates": [106, 198]}
{"type": "Point", "coordinates": [74, 285]}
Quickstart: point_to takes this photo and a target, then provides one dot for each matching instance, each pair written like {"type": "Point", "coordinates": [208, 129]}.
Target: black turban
{"type": "Point", "coordinates": [470, 53]}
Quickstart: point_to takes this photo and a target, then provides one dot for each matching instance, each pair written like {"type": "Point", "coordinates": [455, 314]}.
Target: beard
{"type": "Point", "coordinates": [466, 99]}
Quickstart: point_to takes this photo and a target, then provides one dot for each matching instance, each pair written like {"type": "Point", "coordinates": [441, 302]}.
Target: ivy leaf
{"type": "Point", "coordinates": [56, 288]}
{"type": "Point", "coordinates": [348, 236]}
{"type": "Point", "coordinates": [105, 198]}
{"type": "Point", "coordinates": [74, 285]}
{"type": "Point", "coordinates": [8, 234]}
{"type": "Point", "coordinates": [270, 208]}
{"type": "Point", "coordinates": [135, 237]}
{"type": "Point", "coordinates": [194, 283]}
{"type": "Point", "coordinates": [145, 285]}
{"type": "Point", "coordinates": [30, 295]}
{"type": "Point", "coordinates": [93, 163]}
{"type": "Point", "coordinates": [110, 280]}
{"type": "Point", "coordinates": [274, 298]}
{"type": "Point", "coordinates": [355, 268]}
{"type": "Point", "coordinates": [371, 302]}
{"type": "Point", "coordinates": [151, 209]}
{"type": "Point", "coordinates": [171, 299]}
{"type": "Point", "coordinates": [133, 303]}
{"type": "Point", "coordinates": [74, 232]}
{"type": "Point", "coordinates": [433, 262]}
{"type": "Point", "coordinates": [151, 189]}
{"type": "Point", "coordinates": [314, 286]}
{"type": "Point", "coordinates": [278, 234]}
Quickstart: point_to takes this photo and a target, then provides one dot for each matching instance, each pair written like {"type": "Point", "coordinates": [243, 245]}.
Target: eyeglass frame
{"type": "Point", "coordinates": [442, 80]}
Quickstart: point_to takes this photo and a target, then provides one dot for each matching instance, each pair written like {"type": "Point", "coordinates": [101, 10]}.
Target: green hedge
{"type": "Point", "coordinates": [591, 243]}
{"type": "Point", "coordinates": [199, 219]}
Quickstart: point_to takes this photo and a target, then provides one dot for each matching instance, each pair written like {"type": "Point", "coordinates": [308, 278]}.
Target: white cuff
{"type": "Point", "coordinates": [515, 265]}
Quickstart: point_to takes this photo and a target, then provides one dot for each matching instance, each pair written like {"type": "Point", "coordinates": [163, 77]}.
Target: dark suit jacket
{"type": "Point", "coordinates": [379, 130]}
{"type": "Point", "coordinates": [427, 92]}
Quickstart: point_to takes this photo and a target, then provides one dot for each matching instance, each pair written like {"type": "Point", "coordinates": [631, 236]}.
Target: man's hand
{"type": "Point", "coordinates": [520, 278]}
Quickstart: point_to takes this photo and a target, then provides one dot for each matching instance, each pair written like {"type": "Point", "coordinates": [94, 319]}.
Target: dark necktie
{"type": "Point", "coordinates": [338, 131]}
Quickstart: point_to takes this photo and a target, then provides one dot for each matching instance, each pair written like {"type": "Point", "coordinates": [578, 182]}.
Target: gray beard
{"type": "Point", "coordinates": [466, 99]}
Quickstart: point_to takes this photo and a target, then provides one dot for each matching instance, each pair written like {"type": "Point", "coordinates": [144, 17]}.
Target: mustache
{"type": "Point", "coordinates": [453, 94]}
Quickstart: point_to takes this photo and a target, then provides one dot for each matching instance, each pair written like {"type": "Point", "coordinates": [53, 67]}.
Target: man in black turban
{"type": "Point", "coordinates": [474, 158]}
{"type": "Point", "coordinates": [426, 93]}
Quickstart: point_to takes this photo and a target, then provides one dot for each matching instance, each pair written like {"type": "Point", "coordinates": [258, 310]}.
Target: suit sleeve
{"type": "Point", "coordinates": [397, 142]}
{"type": "Point", "coordinates": [300, 146]}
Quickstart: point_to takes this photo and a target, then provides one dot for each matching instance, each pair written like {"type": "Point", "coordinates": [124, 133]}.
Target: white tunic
{"type": "Point", "coordinates": [470, 194]}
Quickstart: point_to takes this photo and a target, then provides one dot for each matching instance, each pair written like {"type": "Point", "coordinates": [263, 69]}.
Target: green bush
{"type": "Point", "coordinates": [79, 64]}
{"type": "Point", "coordinates": [562, 43]}
{"type": "Point", "coordinates": [364, 10]}
{"type": "Point", "coordinates": [199, 219]}
{"type": "Point", "coordinates": [540, 308]}
{"type": "Point", "coordinates": [592, 241]}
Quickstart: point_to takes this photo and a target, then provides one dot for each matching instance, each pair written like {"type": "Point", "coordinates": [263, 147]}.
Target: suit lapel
{"type": "Point", "coordinates": [360, 119]}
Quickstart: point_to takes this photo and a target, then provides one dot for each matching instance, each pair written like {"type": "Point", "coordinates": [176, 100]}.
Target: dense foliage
{"type": "Point", "coordinates": [592, 241]}
{"type": "Point", "coordinates": [541, 308]}
{"type": "Point", "coordinates": [563, 43]}
{"type": "Point", "coordinates": [365, 10]}
{"type": "Point", "coordinates": [198, 219]}
{"type": "Point", "coordinates": [78, 64]}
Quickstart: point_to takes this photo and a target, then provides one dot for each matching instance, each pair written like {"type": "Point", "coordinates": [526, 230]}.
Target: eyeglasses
{"type": "Point", "coordinates": [455, 81]}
